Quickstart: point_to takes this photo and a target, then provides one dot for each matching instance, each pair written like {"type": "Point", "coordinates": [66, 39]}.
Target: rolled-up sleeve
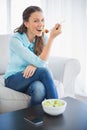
{"type": "Point", "coordinates": [17, 46]}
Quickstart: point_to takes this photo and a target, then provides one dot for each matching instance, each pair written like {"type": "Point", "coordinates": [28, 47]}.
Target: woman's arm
{"type": "Point", "coordinates": [18, 48]}
{"type": "Point", "coordinates": [54, 32]}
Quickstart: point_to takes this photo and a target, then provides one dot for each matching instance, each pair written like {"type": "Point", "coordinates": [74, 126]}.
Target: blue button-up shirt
{"type": "Point", "coordinates": [22, 54]}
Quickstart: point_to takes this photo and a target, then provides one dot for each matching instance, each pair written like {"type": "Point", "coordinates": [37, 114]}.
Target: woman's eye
{"type": "Point", "coordinates": [36, 21]}
{"type": "Point", "coordinates": [39, 20]}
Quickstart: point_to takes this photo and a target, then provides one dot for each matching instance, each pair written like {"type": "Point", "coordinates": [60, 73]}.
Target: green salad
{"type": "Point", "coordinates": [53, 103]}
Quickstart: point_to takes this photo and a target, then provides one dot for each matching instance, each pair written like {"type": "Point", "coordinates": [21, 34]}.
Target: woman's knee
{"type": "Point", "coordinates": [45, 71]}
{"type": "Point", "coordinates": [37, 88]}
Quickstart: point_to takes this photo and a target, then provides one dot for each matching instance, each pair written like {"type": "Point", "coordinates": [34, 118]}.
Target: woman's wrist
{"type": "Point", "coordinates": [50, 39]}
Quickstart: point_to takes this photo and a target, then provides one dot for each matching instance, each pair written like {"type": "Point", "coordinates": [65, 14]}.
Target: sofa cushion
{"type": "Point", "coordinates": [4, 40]}
{"type": "Point", "coordinates": [11, 100]}
{"type": "Point", "coordinates": [1, 80]}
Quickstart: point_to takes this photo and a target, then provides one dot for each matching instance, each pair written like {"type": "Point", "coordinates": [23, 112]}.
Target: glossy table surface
{"type": "Point", "coordinates": [74, 118]}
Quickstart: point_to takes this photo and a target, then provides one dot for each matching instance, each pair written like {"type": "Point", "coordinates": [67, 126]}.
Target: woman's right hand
{"type": "Point", "coordinates": [29, 71]}
{"type": "Point", "coordinates": [56, 30]}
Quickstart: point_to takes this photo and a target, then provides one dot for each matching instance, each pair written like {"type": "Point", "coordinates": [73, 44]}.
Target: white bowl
{"type": "Point", "coordinates": [54, 107]}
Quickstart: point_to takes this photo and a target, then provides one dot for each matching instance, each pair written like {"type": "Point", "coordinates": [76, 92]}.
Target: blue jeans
{"type": "Point", "coordinates": [39, 86]}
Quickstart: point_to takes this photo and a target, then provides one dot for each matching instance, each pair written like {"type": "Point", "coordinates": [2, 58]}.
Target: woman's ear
{"type": "Point", "coordinates": [26, 24]}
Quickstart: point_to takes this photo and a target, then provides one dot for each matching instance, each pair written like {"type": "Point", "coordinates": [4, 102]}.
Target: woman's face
{"type": "Point", "coordinates": [35, 24]}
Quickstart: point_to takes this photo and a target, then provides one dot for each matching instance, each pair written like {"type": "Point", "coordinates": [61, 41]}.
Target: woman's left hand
{"type": "Point", "coordinates": [29, 71]}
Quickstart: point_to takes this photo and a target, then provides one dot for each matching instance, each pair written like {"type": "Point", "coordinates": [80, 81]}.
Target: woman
{"type": "Point", "coordinates": [29, 50]}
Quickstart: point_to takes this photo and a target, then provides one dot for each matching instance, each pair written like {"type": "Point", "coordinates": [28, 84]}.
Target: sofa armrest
{"type": "Point", "coordinates": [66, 71]}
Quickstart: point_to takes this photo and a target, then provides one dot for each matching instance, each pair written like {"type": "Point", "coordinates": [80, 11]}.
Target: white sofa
{"type": "Point", "coordinates": [65, 72]}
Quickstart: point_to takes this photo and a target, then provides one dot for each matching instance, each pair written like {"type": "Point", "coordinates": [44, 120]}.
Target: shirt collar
{"type": "Point", "coordinates": [27, 42]}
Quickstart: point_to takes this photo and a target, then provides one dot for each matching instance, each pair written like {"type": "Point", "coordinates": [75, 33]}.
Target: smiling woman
{"type": "Point", "coordinates": [27, 70]}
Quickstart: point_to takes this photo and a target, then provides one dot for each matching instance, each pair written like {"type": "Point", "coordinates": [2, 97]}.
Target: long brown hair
{"type": "Point", "coordinates": [39, 41]}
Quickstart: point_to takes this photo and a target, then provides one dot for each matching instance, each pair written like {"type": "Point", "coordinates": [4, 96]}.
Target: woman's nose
{"type": "Point", "coordinates": [41, 24]}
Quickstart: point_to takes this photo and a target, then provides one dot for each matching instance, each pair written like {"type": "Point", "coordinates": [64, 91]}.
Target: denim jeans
{"type": "Point", "coordinates": [39, 86]}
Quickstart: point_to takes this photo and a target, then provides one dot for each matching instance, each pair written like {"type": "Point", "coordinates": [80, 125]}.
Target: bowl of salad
{"type": "Point", "coordinates": [54, 107]}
